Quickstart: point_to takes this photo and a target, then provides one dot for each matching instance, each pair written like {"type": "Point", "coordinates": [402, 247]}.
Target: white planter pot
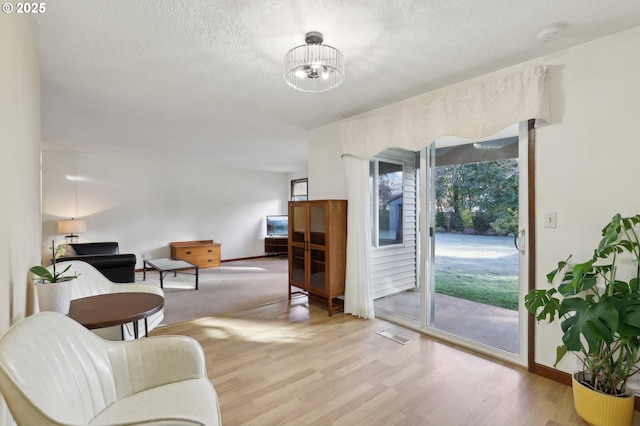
{"type": "Point", "coordinates": [55, 296]}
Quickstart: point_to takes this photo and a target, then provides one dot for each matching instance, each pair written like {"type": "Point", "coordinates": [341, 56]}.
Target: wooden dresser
{"type": "Point", "coordinates": [203, 253]}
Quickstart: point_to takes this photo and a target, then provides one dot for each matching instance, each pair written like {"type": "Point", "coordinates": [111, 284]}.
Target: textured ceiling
{"type": "Point", "coordinates": [200, 81]}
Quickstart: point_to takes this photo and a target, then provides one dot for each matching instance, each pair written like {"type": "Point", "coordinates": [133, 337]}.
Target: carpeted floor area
{"type": "Point", "coordinates": [233, 286]}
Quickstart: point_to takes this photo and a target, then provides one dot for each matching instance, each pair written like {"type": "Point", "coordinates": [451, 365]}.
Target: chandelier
{"type": "Point", "coordinates": [313, 67]}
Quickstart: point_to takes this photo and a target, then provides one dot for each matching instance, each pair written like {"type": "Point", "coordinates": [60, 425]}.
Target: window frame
{"type": "Point", "coordinates": [301, 197]}
{"type": "Point", "coordinates": [374, 175]}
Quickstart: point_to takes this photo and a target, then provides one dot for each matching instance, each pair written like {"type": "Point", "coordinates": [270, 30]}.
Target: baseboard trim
{"type": "Point", "coordinates": [552, 373]}
{"type": "Point", "coordinates": [564, 378]}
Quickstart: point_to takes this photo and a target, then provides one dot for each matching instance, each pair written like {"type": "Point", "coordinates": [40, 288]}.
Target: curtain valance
{"type": "Point", "coordinates": [472, 113]}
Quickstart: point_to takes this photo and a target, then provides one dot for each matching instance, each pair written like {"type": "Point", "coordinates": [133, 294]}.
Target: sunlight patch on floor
{"type": "Point", "coordinates": [242, 268]}
{"type": "Point", "coordinates": [254, 331]}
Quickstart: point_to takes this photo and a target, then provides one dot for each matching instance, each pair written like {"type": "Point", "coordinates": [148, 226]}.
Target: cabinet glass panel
{"type": "Point", "coordinates": [317, 225]}
{"type": "Point", "coordinates": [317, 269]}
{"type": "Point", "coordinates": [297, 266]}
{"type": "Point", "coordinates": [298, 224]}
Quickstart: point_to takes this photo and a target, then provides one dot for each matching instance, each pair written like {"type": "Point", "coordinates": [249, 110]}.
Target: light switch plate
{"type": "Point", "coordinates": [550, 219]}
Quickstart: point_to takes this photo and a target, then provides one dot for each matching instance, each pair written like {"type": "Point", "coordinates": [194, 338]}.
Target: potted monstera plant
{"type": "Point", "coordinates": [598, 304]}
{"type": "Point", "coordinates": [53, 287]}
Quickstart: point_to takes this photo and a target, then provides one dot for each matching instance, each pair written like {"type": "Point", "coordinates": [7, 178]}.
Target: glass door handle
{"type": "Point", "coordinates": [516, 240]}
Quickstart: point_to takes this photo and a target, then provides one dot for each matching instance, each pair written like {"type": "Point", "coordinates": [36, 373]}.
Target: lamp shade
{"type": "Point", "coordinates": [72, 226]}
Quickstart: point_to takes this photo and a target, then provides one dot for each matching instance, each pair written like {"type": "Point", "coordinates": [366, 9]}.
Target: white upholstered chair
{"type": "Point", "coordinates": [53, 371]}
{"type": "Point", "coordinates": [91, 282]}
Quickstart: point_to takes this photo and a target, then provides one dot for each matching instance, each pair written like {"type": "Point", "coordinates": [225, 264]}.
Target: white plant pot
{"type": "Point", "coordinates": [55, 296]}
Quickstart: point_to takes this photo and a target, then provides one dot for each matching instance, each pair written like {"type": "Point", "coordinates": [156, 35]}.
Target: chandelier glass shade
{"type": "Point", "coordinates": [314, 67]}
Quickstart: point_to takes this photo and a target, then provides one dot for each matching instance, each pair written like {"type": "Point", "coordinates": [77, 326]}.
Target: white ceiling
{"type": "Point", "coordinates": [200, 81]}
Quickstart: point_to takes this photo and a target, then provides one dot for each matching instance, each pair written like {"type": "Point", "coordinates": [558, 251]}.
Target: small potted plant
{"type": "Point", "coordinates": [598, 303]}
{"type": "Point", "coordinates": [53, 287]}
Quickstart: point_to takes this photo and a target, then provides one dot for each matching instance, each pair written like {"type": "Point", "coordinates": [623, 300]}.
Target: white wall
{"type": "Point", "coordinates": [326, 174]}
{"type": "Point", "coordinates": [586, 160]}
{"type": "Point", "coordinates": [145, 205]}
{"type": "Point", "coordinates": [19, 172]}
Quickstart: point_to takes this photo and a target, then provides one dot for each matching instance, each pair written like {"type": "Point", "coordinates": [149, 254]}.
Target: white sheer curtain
{"type": "Point", "coordinates": [358, 297]}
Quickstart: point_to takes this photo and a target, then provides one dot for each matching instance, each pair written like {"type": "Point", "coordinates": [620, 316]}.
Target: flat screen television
{"type": "Point", "coordinates": [278, 225]}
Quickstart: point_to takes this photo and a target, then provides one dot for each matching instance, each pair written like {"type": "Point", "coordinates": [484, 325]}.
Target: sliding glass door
{"type": "Point", "coordinates": [470, 262]}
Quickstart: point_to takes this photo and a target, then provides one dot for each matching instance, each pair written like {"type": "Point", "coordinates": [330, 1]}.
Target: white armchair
{"type": "Point", "coordinates": [91, 282]}
{"type": "Point", "coordinates": [53, 371]}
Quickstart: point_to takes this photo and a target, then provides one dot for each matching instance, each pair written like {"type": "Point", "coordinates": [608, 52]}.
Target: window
{"type": "Point", "coordinates": [387, 193]}
{"type": "Point", "coordinates": [299, 189]}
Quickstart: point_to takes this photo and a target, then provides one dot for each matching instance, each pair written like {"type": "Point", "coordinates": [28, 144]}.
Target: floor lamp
{"type": "Point", "coordinates": [72, 227]}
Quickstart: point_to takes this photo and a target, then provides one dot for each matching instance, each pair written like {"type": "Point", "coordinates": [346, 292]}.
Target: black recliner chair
{"type": "Point", "coordinates": [106, 258]}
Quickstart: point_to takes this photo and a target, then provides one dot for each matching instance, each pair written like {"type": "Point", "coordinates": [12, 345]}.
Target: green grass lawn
{"type": "Point", "coordinates": [479, 268]}
{"type": "Point", "coordinates": [490, 289]}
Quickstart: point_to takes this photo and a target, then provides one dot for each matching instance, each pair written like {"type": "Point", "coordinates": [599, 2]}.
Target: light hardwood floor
{"type": "Point", "coordinates": [291, 364]}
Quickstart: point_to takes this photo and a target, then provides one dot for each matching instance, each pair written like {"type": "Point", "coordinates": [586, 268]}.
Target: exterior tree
{"type": "Point", "coordinates": [486, 191]}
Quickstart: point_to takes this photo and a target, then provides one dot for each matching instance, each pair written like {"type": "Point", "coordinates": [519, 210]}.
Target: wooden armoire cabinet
{"type": "Point", "coordinates": [317, 250]}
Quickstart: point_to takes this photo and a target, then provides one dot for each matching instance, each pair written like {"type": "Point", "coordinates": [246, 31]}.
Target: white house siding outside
{"type": "Point", "coordinates": [394, 267]}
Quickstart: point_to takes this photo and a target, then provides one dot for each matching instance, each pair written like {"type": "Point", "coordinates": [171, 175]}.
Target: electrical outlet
{"type": "Point", "coordinates": [550, 219]}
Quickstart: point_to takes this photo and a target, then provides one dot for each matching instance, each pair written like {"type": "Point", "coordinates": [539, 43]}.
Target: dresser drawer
{"type": "Point", "coordinates": [205, 262]}
{"type": "Point", "coordinates": [183, 252]}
